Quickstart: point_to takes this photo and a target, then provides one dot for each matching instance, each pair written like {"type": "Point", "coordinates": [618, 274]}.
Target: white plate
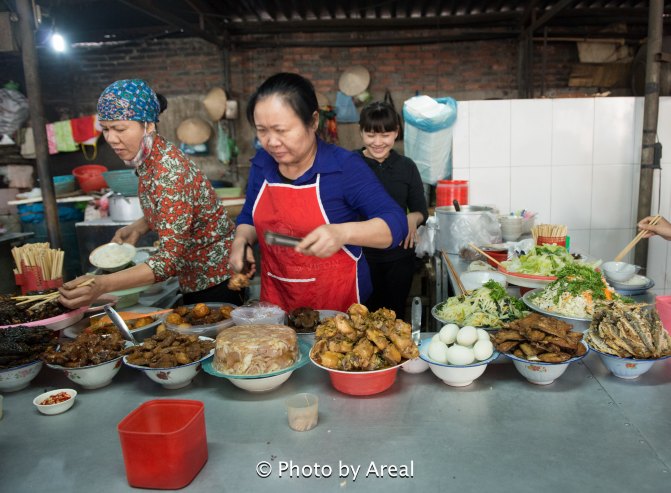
{"type": "Point", "coordinates": [640, 285]}
{"type": "Point", "coordinates": [112, 256]}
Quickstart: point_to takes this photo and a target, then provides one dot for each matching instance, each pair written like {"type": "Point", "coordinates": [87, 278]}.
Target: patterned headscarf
{"type": "Point", "coordinates": [130, 99]}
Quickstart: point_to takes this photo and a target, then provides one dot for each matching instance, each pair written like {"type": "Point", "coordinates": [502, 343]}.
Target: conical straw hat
{"type": "Point", "coordinates": [354, 80]}
{"type": "Point", "coordinates": [215, 103]}
{"type": "Point", "coordinates": [194, 131]}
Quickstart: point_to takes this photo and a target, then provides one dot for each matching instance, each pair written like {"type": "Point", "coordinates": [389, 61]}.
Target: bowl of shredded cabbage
{"type": "Point", "coordinates": [489, 306]}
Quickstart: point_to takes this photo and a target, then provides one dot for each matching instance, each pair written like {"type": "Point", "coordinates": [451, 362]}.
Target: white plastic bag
{"type": "Point", "coordinates": [426, 234]}
{"type": "Point", "coordinates": [428, 135]}
{"type": "Point", "coordinates": [13, 110]}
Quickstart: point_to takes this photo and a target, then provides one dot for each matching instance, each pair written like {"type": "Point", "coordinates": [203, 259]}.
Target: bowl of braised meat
{"type": "Point", "coordinates": [91, 360]}
{"type": "Point", "coordinates": [170, 358]}
{"type": "Point", "coordinates": [20, 350]}
{"type": "Point", "coordinates": [541, 347]}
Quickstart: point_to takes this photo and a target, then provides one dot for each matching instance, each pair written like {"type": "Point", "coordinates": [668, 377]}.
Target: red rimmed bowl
{"type": "Point", "coordinates": [361, 382]}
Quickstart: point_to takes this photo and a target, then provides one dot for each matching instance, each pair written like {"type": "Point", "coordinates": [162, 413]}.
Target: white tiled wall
{"type": "Point", "coordinates": [574, 161]}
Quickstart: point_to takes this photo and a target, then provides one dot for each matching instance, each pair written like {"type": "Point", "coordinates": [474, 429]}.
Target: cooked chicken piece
{"type": "Point", "coordinates": [238, 281]}
{"type": "Point", "coordinates": [528, 350]}
{"type": "Point", "coordinates": [340, 346]}
{"type": "Point", "coordinates": [364, 350]}
{"type": "Point", "coordinates": [392, 354]}
{"type": "Point", "coordinates": [377, 337]}
{"type": "Point", "coordinates": [330, 359]}
{"type": "Point", "coordinates": [507, 346]}
{"type": "Point", "coordinates": [344, 326]}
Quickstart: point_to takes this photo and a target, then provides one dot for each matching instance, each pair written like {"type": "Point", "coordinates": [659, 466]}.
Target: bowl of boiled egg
{"type": "Point", "coordinates": [457, 355]}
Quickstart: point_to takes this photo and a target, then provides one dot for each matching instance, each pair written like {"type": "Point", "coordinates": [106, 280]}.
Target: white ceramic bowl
{"type": "Point", "coordinates": [93, 376]}
{"type": "Point", "coordinates": [416, 365]}
{"type": "Point", "coordinates": [263, 384]}
{"type": "Point", "coordinates": [619, 271]}
{"type": "Point", "coordinates": [57, 408]}
{"type": "Point", "coordinates": [175, 377]}
{"type": "Point", "coordinates": [19, 377]}
{"type": "Point", "coordinates": [541, 373]}
{"type": "Point", "coordinates": [455, 375]}
{"type": "Point", "coordinates": [476, 279]}
{"type": "Point", "coordinates": [271, 381]}
{"type": "Point", "coordinates": [626, 368]}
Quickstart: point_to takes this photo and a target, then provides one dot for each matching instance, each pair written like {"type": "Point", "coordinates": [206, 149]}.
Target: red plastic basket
{"type": "Point", "coordinates": [164, 443]}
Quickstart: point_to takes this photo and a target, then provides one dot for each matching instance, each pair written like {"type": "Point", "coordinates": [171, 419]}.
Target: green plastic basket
{"type": "Point", "coordinates": [123, 181]}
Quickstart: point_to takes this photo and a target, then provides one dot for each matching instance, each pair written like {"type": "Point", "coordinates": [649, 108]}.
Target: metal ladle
{"type": "Point", "coordinates": [118, 321]}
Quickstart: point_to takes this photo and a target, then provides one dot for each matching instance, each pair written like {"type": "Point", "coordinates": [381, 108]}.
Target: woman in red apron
{"type": "Point", "coordinates": [302, 187]}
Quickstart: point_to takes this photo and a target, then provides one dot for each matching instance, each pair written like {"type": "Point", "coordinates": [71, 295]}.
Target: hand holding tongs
{"type": "Point", "coordinates": [246, 264]}
{"type": "Point", "coordinates": [281, 240]}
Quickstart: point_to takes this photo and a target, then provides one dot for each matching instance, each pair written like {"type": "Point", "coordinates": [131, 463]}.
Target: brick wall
{"type": "Point", "coordinates": [463, 70]}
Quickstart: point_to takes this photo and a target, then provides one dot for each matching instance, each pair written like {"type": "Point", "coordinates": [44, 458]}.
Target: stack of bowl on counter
{"type": "Point", "coordinates": [568, 307]}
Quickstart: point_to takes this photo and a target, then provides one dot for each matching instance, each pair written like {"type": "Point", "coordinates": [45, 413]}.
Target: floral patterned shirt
{"type": "Point", "coordinates": [193, 227]}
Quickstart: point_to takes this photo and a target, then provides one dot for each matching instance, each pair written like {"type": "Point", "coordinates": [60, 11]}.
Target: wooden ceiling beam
{"type": "Point", "coordinates": [149, 8]}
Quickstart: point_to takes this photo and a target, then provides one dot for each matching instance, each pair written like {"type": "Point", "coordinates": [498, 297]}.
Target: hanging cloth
{"type": "Point", "coordinates": [85, 132]}
{"type": "Point", "coordinates": [51, 138]}
{"type": "Point", "coordinates": [63, 134]}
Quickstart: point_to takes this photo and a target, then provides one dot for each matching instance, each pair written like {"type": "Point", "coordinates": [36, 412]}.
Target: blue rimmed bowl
{"type": "Point", "coordinates": [540, 372]}
{"type": "Point", "coordinates": [455, 375]}
{"type": "Point", "coordinates": [627, 368]}
{"type": "Point", "coordinates": [267, 381]}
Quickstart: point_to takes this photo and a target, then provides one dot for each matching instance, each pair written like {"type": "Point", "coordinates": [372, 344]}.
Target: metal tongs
{"type": "Point", "coordinates": [119, 322]}
{"type": "Point", "coordinates": [281, 240]}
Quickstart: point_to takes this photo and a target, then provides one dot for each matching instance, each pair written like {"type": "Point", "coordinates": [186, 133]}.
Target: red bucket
{"type": "Point", "coordinates": [663, 307]}
{"type": "Point", "coordinates": [449, 190]}
{"type": "Point", "coordinates": [164, 443]}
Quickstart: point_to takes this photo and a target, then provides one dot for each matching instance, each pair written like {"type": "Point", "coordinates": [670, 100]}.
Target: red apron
{"type": "Point", "coordinates": [292, 280]}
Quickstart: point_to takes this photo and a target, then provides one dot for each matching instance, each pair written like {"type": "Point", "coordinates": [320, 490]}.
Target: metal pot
{"type": "Point", "coordinates": [124, 209]}
{"type": "Point", "coordinates": [472, 223]}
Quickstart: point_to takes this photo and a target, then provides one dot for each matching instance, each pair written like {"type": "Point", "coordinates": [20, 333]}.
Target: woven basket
{"type": "Point", "coordinates": [123, 181]}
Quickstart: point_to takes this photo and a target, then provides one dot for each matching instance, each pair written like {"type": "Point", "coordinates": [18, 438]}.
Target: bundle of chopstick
{"type": "Point", "coordinates": [549, 231]}
{"type": "Point", "coordinates": [40, 255]}
{"type": "Point", "coordinates": [41, 299]}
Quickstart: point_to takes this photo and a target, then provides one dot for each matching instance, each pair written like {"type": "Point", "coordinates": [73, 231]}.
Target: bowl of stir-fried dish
{"type": "Point", "coordinates": [362, 351]}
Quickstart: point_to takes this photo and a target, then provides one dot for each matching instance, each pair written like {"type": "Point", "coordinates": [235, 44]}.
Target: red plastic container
{"type": "Point", "coordinates": [90, 177]}
{"type": "Point", "coordinates": [449, 190]}
{"type": "Point", "coordinates": [551, 240]}
{"type": "Point", "coordinates": [364, 382]}
{"type": "Point", "coordinates": [499, 255]}
{"type": "Point", "coordinates": [164, 443]}
{"type": "Point", "coordinates": [663, 307]}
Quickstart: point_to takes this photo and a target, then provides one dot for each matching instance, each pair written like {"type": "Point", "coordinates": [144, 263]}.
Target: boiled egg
{"type": "Point", "coordinates": [467, 336]}
{"type": "Point", "coordinates": [460, 355]}
{"type": "Point", "coordinates": [448, 334]}
{"type": "Point", "coordinates": [483, 350]}
{"type": "Point", "coordinates": [483, 335]}
{"type": "Point", "coordinates": [438, 352]}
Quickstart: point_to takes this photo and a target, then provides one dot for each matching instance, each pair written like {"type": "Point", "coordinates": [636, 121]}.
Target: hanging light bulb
{"type": "Point", "coordinates": [58, 42]}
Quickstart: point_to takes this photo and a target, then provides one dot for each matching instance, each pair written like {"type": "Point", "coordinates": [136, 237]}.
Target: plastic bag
{"type": "Point", "coordinates": [426, 234]}
{"type": "Point", "coordinates": [428, 135]}
{"type": "Point", "coordinates": [223, 145]}
{"type": "Point", "coordinates": [13, 110]}
{"type": "Point", "coordinates": [345, 110]}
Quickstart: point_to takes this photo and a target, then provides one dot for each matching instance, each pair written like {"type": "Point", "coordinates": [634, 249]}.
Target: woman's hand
{"type": "Point", "coordinates": [241, 251]}
{"type": "Point", "coordinates": [323, 241]}
{"type": "Point", "coordinates": [131, 233]}
{"type": "Point", "coordinates": [74, 297]}
{"type": "Point", "coordinates": [414, 219]}
{"type": "Point", "coordinates": [662, 228]}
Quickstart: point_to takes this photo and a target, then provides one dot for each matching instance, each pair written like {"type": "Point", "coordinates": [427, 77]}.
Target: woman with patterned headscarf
{"type": "Point", "coordinates": [178, 202]}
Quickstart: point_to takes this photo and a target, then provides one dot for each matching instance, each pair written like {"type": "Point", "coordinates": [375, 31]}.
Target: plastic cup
{"type": "Point", "coordinates": [302, 411]}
